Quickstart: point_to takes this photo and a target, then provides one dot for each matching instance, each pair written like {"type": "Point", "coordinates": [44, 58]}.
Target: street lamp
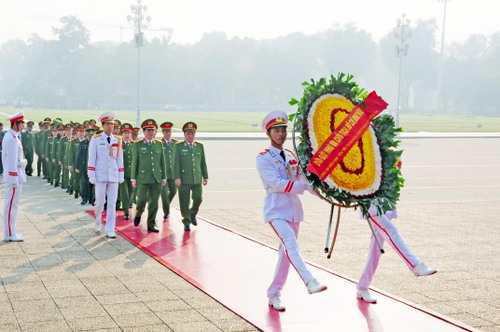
{"type": "Point", "coordinates": [140, 20]}
{"type": "Point", "coordinates": [401, 50]}
{"type": "Point", "coordinates": [440, 99]}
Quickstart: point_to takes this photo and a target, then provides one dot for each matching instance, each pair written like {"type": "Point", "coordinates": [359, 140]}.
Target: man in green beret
{"type": "Point", "coordinates": [148, 173]}
{"type": "Point", "coordinates": [190, 172]}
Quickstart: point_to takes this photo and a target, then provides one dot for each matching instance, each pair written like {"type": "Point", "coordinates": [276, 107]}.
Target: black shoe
{"type": "Point", "coordinates": [83, 202]}
{"type": "Point", "coordinates": [64, 188]}
{"type": "Point", "coordinates": [71, 192]}
{"type": "Point", "coordinates": [130, 206]}
{"type": "Point", "coordinates": [76, 195]}
{"type": "Point", "coordinates": [137, 221]}
{"type": "Point", "coordinates": [194, 221]}
{"type": "Point", "coordinates": [126, 217]}
{"type": "Point", "coordinates": [56, 185]}
{"type": "Point", "coordinates": [67, 190]}
{"type": "Point", "coordinates": [166, 216]}
{"type": "Point", "coordinates": [187, 229]}
{"type": "Point", "coordinates": [153, 229]}
{"type": "Point", "coordinates": [119, 209]}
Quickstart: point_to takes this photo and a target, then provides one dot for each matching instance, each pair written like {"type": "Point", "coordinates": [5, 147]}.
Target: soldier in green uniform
{"type": "Point", "coordinates": [63, 146]}
{"type": "Point", "coordinates": [190, 172]}
{"type": "Point", "coordinates": [28, 142]}
{"type": "Point", "coordinates": [38, 151]}
{"type": "Point", "coordinates": [117, 127]}
{"type": "Point", "coordinates": [56, 171]}
{"type": "Point", "coordinates": [71, 156]}
{"type": "Point", "coordinates": [135, 138]}
{"type": "Point", "coordinates": [168, 192]}
{"type": "Point", "coordinates": [82, 159]}
{"type": "Point", "coordinates": [125, 188]}
{"type": "Point", "coordinates": [148, 173]}
{"type": "Point", "coordinates": [49, 143]}
{"type": "Point", "coordinates": [43, 144]}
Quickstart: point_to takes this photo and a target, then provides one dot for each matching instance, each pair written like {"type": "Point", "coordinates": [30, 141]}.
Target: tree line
{"type": "Point", "coordinates": [218, 72]}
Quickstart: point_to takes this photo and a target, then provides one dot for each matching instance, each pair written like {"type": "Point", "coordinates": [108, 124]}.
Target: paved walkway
{"type": "Point", "coordinates": [66, 278]}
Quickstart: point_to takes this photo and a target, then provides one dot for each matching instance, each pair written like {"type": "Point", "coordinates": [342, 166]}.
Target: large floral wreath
{"type": "Point", "coordinates": [367, 174]}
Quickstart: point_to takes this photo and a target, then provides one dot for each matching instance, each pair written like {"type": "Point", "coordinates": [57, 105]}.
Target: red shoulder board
{"type": "Point", "coordinates": [264, 152]}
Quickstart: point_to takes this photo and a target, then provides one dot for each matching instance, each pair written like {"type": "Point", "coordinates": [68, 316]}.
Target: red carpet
{"type": "Point", "coordinates": [236, 270]}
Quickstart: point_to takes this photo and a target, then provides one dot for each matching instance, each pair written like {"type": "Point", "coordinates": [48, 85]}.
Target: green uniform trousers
{"type": "Point", "coordinates": [124, 191]}
{"type": "Point", "coordinates": [184, 199]}
{"type": "Point", "coordinates": [39, 165]}
{"type": "Point", "coordinates": [48, 169]}
{"type": "Point", "coordinates": [167, 195]}
{"type": "Point", "coordinates": [148, 193]}
{"type": "Point", "coordinates": [76, 179]}
{"type": "Point", "coordinates": [29, 159]}
{"type": "Point", "coordinates": [65, 178]}
{"type": "Point", "coordinates": [56, 173]}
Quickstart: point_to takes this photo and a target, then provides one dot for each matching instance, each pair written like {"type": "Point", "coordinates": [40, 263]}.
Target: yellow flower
{"type": "Point", "coordinates": [360, 170]}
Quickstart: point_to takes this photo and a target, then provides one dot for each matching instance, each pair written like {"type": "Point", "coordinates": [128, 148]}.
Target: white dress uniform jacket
{"type": "Point", "coordinates": [13, 159]}
{"type": "Point", "coordinates": [282, 181]}
{"type": "Point", "coordinates": [105, 159]}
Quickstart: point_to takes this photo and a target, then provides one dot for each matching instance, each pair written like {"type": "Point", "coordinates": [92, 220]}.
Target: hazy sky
{"type": "Point", "coordinates": [255, 18]}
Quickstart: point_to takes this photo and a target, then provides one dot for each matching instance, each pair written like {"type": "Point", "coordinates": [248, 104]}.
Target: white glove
{"type": "Point", "coordinates": [92, 180]}
{"type": "Point", "coordinates": [23, 163]}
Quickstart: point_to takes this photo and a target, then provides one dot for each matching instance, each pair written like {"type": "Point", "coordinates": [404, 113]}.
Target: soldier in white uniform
{"type": "Point", "coordinates": [13, 176]}
{"type": "Point", "coordinates": [386, 231]}
{"type": "Point", "coordinates": [283, 182]}
{"type": "Point", "coordinates": [105, 171]}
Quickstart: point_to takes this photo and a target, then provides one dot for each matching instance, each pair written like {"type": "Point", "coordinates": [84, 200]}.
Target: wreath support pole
{"type": "Point", "coordinates": [375, 236]}
{"type": "Point", "coordinates": [335, 233]}
{"type": "Point", "coordinates": [329, 229]}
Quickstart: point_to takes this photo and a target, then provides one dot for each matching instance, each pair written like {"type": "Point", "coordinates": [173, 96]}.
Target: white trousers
{"type": "Point", "coordinates": [288, 233]}
{"type": "Point", "coordinates": [10, 208]}
{"type": "Point", "coordinates": [106, 191]}
{"type": "Point", "coordinates": [385, 231]}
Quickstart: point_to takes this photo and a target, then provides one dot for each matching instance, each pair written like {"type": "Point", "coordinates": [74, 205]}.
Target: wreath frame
{"type": "Point", "coordinates": [386, 197]}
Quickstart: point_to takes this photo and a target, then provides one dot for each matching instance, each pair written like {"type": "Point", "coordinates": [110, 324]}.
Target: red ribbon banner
{"type": "Point", "coordinates": [336, 146]}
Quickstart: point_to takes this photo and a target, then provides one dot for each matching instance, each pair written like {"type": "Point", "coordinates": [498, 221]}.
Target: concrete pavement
{"type": "Point", "coordinates": [64, 277]}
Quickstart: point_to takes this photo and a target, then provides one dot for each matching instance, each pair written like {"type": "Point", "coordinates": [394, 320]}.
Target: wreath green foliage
{"type": "Point", "coordinates": [392, 181]}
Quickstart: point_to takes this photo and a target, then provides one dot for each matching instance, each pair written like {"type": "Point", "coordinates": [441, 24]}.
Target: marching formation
{"type": "Point", "coordinates": [106, 166]}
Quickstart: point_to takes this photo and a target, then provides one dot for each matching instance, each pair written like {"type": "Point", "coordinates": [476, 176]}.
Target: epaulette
{"type": "Point", "coordinates": [158, 140]}
{"type": "Point", "coordinates": [179, 142]}
{"type": "Point", "coordinates": [175, 140]}
{"type": "Point", "coordinates": [118, 136]}
{"type": "Point", "coordinates": [264, 152]}
{"type": "Point", "coordinates": [198, 142]}
{"type": "Point", "coordinates": [72, 139]}
{"type": "Point", "coordinates": [98, 134]}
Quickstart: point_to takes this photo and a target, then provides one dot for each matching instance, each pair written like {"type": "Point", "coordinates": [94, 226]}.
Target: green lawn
{"type": "Point", "coordinates": [213, 121]}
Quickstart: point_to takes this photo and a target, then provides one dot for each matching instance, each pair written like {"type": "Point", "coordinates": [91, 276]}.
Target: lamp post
{"type": "Point", "coordinates": [401, 50]}
{"type": "Point", "coordinates": [140, 20]}
{"type": "Point", "coordinates": [440, 99]}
